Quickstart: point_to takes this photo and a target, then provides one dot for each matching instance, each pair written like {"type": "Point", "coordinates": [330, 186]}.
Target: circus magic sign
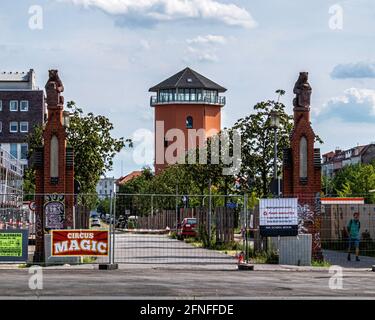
{"type": "Point", "coordinates": [67, 243]}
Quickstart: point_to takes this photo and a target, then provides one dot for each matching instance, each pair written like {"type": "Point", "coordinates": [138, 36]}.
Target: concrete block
{"type": "Point", "coordinates": [295, 251]}
{"type": "Point", "coordinates": [246, 266]}
{"type": "Point", "coordinates": [108, 266]}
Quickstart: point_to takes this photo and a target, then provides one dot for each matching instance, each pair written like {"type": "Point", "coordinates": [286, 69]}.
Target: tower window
{"type": "Point", "coordinates": [189, 122]}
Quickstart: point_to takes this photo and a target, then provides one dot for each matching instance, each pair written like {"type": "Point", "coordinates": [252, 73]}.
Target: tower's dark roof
{"type": "Point", "coordinates": [188, 78]}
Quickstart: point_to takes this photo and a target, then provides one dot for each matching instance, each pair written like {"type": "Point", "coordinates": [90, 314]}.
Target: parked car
{"type": "Point", "coordinates": [94, 214]}
{"type": "Point", "coordinates": [188, 228]}
{"type": "Point", "coordinates": [95, 222]}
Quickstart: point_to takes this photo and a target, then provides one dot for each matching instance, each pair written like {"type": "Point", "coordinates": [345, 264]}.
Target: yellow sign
{"type": "Point", "coordinates": [10, 244]}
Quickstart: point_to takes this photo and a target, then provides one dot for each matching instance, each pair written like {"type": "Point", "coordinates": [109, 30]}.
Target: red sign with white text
{"type": "Point", "coordinates": [66, 243]}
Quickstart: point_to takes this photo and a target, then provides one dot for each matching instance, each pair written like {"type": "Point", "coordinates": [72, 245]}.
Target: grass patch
{"type": "Point", "coordinates": [89, 259]}
{"type": "Point", "coordinates": [320, 263]}
{"type": "Point", "coordinates": [172, 235]}
{"type": "Point", "coordinates": [270, 257]}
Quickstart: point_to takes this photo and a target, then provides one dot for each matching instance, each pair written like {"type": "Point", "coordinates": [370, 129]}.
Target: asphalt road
{"type": "Point", "coordinates": [160, 249]}
{"type": "Point", "coordinates": [156, 267]}
{"type": "Point", "coordinates": [151, 283]}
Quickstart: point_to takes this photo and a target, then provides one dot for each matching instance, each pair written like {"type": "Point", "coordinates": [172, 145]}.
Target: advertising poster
{"type": "Point", "coordinates": [278, 217]}
{"type": "Point", "coordinates": [13, 245]}
{"type": "Point", "coordinates": [54, 210]}
{"type": "Point", "coordinates": [67, 243]}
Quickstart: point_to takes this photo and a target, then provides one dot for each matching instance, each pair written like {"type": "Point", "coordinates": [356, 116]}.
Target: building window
{"type": "Point", "coordinates": [303, 158]}
{"type": "Point", "coordinates": [24, 150]}
{"type": "Point", "coordinates": [13, 126]}
{"type": "Point", "coordinates": [193, 96]}
{"type": "Point", "coordinates": [187, 95]}
{"type": "Point", "coordinates": [13, 150]}
{"type": "Point", "coordinates": [1, 126]}
{"type": "Point", "coordinates": [13, 105]}
{"type": "Point", "coordinates": [24, 126]}
{"type": "Point", "coordinates": [189, 122]}
{"type": "Point", "coordinates": [1, 105]}
{"type": "Point", "coordinates": [24, 105]}
{"type": "Point", "coordinates": [180, 95]}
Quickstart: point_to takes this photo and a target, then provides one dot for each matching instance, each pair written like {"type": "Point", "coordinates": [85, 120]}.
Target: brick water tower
{"type": "Point", "coordinates": [185, 101]}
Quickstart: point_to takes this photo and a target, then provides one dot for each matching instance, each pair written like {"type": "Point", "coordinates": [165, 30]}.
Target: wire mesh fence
{"type": "Point", "coordinates": [207, 229]}
{"type": "Point", "coordinates": [176, 229]}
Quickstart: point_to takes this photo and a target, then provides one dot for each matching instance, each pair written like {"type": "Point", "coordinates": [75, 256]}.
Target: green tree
{"type": "Point", "coordinates": [33, 140]}
{"type": "Point", "coordinates": [131, 194]}
{"type": "Point", "coordinates": [94, 147]}
{"type": "Point", "coordinates": [346, 190]}
{"type": "Point", "coordinates": [104, 206]}
{"type": "Point", "coordinates": [258, 143]}
{"type": "Point", "coordinates": [356, 180]}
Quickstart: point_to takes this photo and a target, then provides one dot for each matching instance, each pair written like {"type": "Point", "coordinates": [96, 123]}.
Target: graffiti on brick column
{"type": "Point", "coordinates": [54, 210]}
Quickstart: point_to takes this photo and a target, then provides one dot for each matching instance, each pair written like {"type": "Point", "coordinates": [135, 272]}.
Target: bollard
{"type": "Point", "coordinates": [108, 266]}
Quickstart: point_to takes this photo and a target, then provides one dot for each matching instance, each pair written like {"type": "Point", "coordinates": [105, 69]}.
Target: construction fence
{"type": "Point", "coordinates": [211, 229]}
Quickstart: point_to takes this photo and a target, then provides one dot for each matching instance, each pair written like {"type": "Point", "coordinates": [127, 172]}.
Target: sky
{"type": "Point", "coordinates": [110, 52]}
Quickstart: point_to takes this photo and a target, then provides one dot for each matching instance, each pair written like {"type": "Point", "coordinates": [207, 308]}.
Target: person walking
{"type": "Point", "coordinates": [354, 227]}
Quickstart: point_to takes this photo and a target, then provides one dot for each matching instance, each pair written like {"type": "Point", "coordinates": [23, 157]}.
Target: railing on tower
{"type": "Point", "coordinates": [218, 100]}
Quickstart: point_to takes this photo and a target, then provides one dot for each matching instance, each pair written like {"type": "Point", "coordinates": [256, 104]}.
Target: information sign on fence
{"type": "Point", "coordinates": [278, 217]}
{"type": "Point", "coordinates": [13, 245]}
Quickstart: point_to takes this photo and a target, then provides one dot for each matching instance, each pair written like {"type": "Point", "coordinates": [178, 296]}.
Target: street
{"type": "Point", "coordinates": [160, 249]}
{"type": "Point", "coordinates": [143, 283]}
{"type": "Point", "coordinates": [157, 267]}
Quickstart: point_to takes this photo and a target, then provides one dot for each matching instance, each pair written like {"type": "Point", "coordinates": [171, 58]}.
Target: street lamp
{"type": "Point", "coordinates": [66, 119]}
{"type": "Point", "coordinates": [275, 123]}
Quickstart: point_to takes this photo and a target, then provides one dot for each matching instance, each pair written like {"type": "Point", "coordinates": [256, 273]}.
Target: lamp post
{"type": "Point", "coordinates": [66, 119]}
{"type": "Point", "coordinates": [275, 123]}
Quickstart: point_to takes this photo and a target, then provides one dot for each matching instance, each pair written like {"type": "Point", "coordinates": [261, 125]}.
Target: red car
{"type": "Point", "coordinates": [188, 228]}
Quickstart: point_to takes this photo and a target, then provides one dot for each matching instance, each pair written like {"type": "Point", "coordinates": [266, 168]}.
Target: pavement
{"type": "Point", "coordinates": [340, 258]}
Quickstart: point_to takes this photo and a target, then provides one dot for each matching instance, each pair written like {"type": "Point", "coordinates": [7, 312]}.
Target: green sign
{"type": "Point", "coordinates": [11, 244]}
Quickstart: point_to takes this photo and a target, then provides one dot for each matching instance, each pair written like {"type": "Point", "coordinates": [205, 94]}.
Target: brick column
{"type": "Point", "coordinates": [308, 187]}
{"type": "Point", "coordinates": [53, 191]}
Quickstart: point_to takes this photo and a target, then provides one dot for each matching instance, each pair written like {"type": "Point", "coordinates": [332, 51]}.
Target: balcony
{"type": "Point", "coordinates": [217, 100]}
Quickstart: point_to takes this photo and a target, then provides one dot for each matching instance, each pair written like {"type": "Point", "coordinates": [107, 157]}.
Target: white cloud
{"type": "Point", "coordinates": [145, 44]}
{"type": "Point", "coordinates": [354, 70]}
{"type": "Point", "coordinates": [204, 48]}
{"type": "Point", "coordinates": [153, 11]}
{"type": "Point", "coordinates": [208, 55]}
{"type": "Point", "coordinates": [208, 39]}
{"type": "Point", "coordinates": [355, 105]}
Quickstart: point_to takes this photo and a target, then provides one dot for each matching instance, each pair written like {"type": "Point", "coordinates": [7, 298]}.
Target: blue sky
{"type": "Point", "coordinates": [110, 52]}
